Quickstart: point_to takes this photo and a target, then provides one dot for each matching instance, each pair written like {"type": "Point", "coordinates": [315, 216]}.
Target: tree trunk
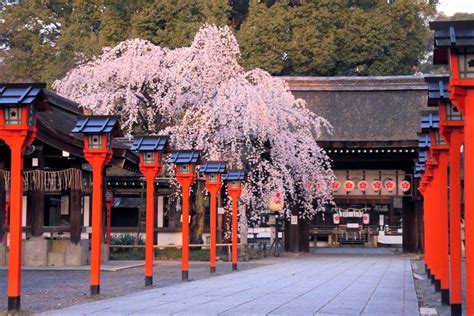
{"type": "Point", "coordinates": [199, 210]}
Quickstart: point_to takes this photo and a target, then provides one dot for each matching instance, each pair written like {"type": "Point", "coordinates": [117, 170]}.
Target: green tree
{"type": "Point", "coordinates": [336, 37]}
{"type": "Point", "coordinates": [174, 24]}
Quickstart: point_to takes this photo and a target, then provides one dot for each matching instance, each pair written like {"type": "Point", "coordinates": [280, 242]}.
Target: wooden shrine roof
{"type": "Point", "coordinates": [382, 111]}
{"type": "Point", "coordinates": [54, 129]}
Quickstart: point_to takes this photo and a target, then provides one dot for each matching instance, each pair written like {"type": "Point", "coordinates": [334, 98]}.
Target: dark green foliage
{"type": "Point", "coordinates": [44, 39]}
{"type": "Point", "coordinates": [126, 253]}
{"type": "Point", "coordinates": [337, 37]}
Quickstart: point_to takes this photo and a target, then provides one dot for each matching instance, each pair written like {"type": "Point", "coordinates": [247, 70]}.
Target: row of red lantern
{"type": "Point", "coordinates": [376, 185]}
{"type": "Point", "coordinates": [336, 217]}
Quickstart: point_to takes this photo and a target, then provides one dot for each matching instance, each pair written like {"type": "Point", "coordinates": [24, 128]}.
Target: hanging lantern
{"type": "Point", "coordinates": [366, 219]}
{"type": "Point", "coordinates": [405, 186]}
{"type": "Point", "coordinates": [389, 185]}
{"type": "Point", "coordinates": [336, 218]}
{"type": "Point", "coordinates": [335, 185]}
{"type": "Point", "coordinates": [349, 185]}
{"type": "Point", "coordinates": [377, 185]}
{"type": "Point", "coordinates": [363, 185]}
{"type": "Point", "coordinates": [276, 202]}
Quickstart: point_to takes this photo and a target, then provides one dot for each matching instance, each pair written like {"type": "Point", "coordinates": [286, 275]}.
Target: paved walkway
{"type": "Point", "coordinates": [307, 285]}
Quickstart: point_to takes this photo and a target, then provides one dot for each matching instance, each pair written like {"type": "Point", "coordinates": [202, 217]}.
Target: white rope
{"type": "Point", "coordinates": [47, 181]}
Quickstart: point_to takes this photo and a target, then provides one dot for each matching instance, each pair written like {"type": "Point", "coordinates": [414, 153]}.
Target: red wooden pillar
{"type": "Point", "coordinates": [234, 178]}
{"type": "Point", "coordinates": [469, 198]}
{"type": "Point", "coordinates": [443, 222]}
{"type": "Point", "coordinates": [185, 185]}
{"type": "Point", "coordinates": [235, 231]}
{"type": "Point", "coordinates": [213, 171]}
{"type": "Point", "coordinates": [17, 144]}
{"type": "Point", "coordinates": [109, 199]}
{"type": "Point", "coordinates": [98, 132]}
{"type": "Point", "coordinates": [455, 143]}
{"type": "Point", "coordinates": [185, 161]}
{"type": "Point", "coordinates": [213, 227]}
{"type": "Point", "coordinates": [150, 149]}
{"type": "Point", "coordinates": [98, 162]}
{"type": "Point", "coordinates": [150, 175]}
{"type": "Point", "coordinates": [18, 113]}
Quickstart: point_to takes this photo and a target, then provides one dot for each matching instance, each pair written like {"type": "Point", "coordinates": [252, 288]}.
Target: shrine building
{"type": "Point", "coordinates": [373, 148]}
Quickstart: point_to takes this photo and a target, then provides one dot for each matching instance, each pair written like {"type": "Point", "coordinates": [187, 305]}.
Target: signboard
{"type": "Point", "coordinates": [294, 220]}
{"type": "Point", "coordinates": [352, 225]}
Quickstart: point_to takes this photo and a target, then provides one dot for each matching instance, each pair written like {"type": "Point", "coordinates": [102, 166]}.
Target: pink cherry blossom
{"type": "Point", "coordinates": [204, 99]}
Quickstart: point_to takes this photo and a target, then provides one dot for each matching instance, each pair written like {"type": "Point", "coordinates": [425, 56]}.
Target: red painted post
{"type": "Point", "coordinates": [185, 232]}
{"type": "Point", "coordinates": [109, 199]}
{"type": "Point", "coordinates": [17, 145]}
{"type": "Point", "coordinates": [150, 150]}
{"type": "Point", "coordinates": [235, 229]}
{"type": "Point", "coordinates": [98, 132]}
{"type": "Point", "coordinates": [469, 198]}
{"type": "Point", "coordinates": [213, 227]}
{"type": "Point", "coordinates": [185, 161]}
{"type": "Point", "coordinates": [97, 163]}
{"type": "Point", "coordinates": [18, 129]}
{"type": "Point", "coordinates": [150, 224]}
{"type": "Point", "coordinates": [234, 180]}
{"type": "Point", "coordinates": [455, 221]}
{"type": "Point", "coordinates": [443, 222]}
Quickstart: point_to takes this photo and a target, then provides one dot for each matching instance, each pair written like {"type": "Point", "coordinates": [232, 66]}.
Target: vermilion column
{"type": "Point", "coordinates": [469, 197]}
{"type": "Point", "coordinates": [16, 144]}
{"type": "Point", "coordinates": [443, 225]}
{"type": "Point", "coordinates": [235, 229]}
{"type": "Point", "coordinates": [213, 228]}
{"type": "Point", "coordinates": [426, 214]}
{"type": "Point", "coordinates": [185, 185]}
{"type": "Point", "coordinates": [150, 175]}
{"type": "Point", "coordinates": [97, 162]}
{"type": "Point", "coordinates": [456, 139]}
{"type": "Point", "coordinates": [435, 227]}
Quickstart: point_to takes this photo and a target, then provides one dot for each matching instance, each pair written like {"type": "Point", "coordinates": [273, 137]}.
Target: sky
{"type": "Point", "coordinates": [449, 7]}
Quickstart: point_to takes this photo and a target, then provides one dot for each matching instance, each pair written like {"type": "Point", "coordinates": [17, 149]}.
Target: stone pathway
{"type": "Point", "coordinates": [306, 285]}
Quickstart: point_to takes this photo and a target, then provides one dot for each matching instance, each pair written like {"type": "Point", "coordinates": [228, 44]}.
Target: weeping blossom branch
{"type": "Point", "coordinates": [204, 99]}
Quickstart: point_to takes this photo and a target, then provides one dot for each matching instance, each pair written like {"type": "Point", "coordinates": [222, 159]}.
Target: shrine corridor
{"type": "Point", "coordinates": [304, 285]}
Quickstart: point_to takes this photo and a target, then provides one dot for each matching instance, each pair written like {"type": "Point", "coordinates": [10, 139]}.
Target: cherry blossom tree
{"type": "Point", "coordinates": [204, 99]}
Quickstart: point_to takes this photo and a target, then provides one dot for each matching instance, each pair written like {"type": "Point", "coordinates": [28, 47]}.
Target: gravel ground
{"type": "Point", "coordinates": [425, 291]}
{"type": "Point", "coordinates": [46, 290]}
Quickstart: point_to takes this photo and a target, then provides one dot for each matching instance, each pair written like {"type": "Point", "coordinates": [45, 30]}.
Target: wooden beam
{"type": "Point", "coordinates": [75, 215]}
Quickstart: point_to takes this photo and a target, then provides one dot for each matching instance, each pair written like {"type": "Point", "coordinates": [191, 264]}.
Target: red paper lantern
{"type": "Point", "coordinates": [336, 218]}
{"type": "Point", "coordinates": [366, 219]}
{"type": "Point", "coordinates": [389, 185]}
{"type": "Point", "coordinates": [349, 185]}
{"type": "Point", "coordinates": [363, 185]}
{"type": "Point", "coordinates": [377, 185]}
{"type": "Point", "coordinates": [405, 186]}
{"type": "Point", "coordinates": [335, 185]}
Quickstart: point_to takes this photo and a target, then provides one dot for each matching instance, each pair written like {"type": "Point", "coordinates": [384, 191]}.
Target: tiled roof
{"type": "Point", "coordinates": [453, 33]}
{"type": "Point", "coordinates": [429, 121]}
{"type": "Point", "coordinates": [23, 93]}
{"type": "Point", "coordinates": [233, 175]}
{"type": "Point", "coordinates": [95, 124]}
{"type": "Point", "coordinates": [422, 156]}
{"type": "Point", "coordinates": [365, 109]}
{"type": "Point", "coordinates": [185, 157]}
{"type": "Point", "coordinates": [150, 143]}
{"type": "Point", "coordinates": [424, 141]}
{"type": "Point", "coordinates": [437, 89]}
{"type": "Point", "coordinates": [213, 167]}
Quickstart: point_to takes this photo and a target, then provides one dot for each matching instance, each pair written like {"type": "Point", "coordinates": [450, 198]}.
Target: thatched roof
{"type": "Point", "coordinates": [366, 109]}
